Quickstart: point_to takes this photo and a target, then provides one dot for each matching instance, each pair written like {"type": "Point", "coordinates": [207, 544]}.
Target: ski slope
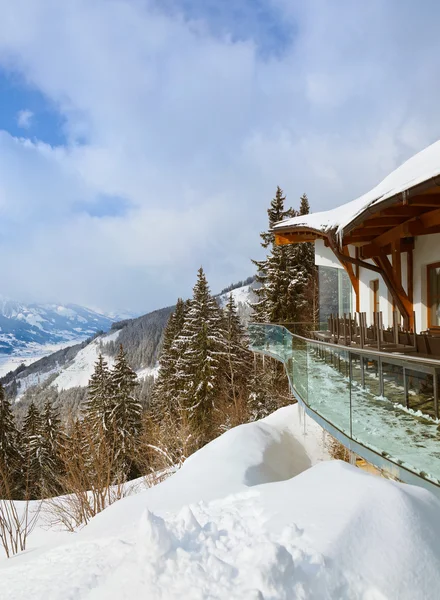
{"type": "Point", "coordinates": [259, 513]}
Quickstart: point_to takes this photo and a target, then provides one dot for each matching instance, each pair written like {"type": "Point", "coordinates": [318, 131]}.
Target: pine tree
{"type": "Point", "coordinates": [272, 273]}
{"type": "Point", "coordinates": [10, 457]}
{"type": "Point", "coordinates": [34, 451]}
{"type": "Point", "coordinates": [53, 439]}
{"type": "Point", "coordinates": [100, 405]}
{"type": "Point", "coordinates": [165, 390]}
{"type": "Point", "coordinates": [126, 417]}
{"type": "Point", "coordinates": [202, 348]}
{"type": "Point", "coordinates": [286, 275]}
{"type": "Point", "coordinates": [237, 356]}
{"type": "Point", "coordinates": [302, 274]}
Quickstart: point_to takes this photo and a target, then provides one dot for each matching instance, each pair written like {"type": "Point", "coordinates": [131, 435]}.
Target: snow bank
{"type": "Point", "coordinates": [239, 522]}
{"type": "Point", "coordinates": [419, 168]}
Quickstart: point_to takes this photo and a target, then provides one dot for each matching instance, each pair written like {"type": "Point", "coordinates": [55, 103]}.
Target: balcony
{"type": "Point", "coordinates": [382, 406]}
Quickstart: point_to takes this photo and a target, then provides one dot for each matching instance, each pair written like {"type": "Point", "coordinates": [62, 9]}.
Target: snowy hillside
{"type": "Point", "coordinates": [255, 514]}
{"type": "Point", "coordinates": [141, 338]}
{"type": "Point", "coordinates": [24, 326]}
{"type": "Point", "coordinates": [243, 296]}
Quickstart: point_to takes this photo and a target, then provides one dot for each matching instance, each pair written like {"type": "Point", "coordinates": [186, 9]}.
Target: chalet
{"type": "Point", "coordinates": [370, 375]}
{"type": "Point", "coordinates": [380, 253]}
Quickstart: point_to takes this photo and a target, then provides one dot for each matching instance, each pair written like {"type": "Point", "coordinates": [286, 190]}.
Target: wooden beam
{"type": "Point", "coordinates": [371, 250]}
{"type": "Point", "coordinates": [415, 226]}
{"type": "Point", "coordinates": [410, 275]}
{"type": "Point", "coordinates": [425, 200]}
{"type": "Point", "coordinates": [403, 210]}
{"type": "Point", "coordinates": [396, 289]}
{"type": "Point", "coordinates": [351, 273]}
{"type": "Point", "coordinates": [294, 238]}
{"type": "Point", "coordinates": [397, 263]}
{"type": "Point", "coordinates": [358, 239]}
{"type": "Point", "coordinates": [383, 221]}
{"type": "Point", "coordinates": [356, 272]}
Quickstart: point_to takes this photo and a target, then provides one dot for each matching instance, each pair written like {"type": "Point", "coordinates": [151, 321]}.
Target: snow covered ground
{"type": "Point", "coordinates": [256, 514]}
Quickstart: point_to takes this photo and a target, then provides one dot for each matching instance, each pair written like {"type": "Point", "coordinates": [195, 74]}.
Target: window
{"type": "Point", "coordinates": [434, 295]}
{"type": "Point", "coordinates": [335, 293]}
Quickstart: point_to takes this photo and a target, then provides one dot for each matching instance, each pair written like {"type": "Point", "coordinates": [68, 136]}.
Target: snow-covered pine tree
{"type": "Point", "coordinates": [286, 293]}
{"type": "Point", "coordinates": [34, 452]}
{"type": "Point", "coordinates": [302, 276]}
{"type": "Point", "coordinates": [272, 272]}
{"type": "Point", "coordinates": [10, 457]}
{"type": "Point", "coordinates": [202, 350]}
{"type": "Point", "coordinates": [165, 387]}
{"type": "Point", "coordinates": [126, 417]}
{"type": "Point", "coordinates": [238, 359]}
{"type": "Point", "coordinates": [100, 405]}
{"type": "Point", "coordinates": [53, 438]}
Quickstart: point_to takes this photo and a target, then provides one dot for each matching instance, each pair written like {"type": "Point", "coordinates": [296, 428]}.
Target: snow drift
{"type": "Point", "coordinates": [245, 518]}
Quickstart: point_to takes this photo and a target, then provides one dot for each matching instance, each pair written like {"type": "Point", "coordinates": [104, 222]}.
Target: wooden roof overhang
{"type": "Point", "coordinates": [382, 230]}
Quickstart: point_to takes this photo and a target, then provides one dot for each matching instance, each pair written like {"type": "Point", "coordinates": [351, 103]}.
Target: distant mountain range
{"type": "Point", "coordinates": [23, 325]}
{"type": "Point", "coordinates": [62, 375]}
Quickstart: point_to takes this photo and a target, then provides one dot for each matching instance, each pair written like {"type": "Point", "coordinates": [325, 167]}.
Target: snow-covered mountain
{"type": "Point", "coordinates": [22, 325]}
{"type": "Point", "coordinates": [243, 296]}
{"type": "Point", "coordinates": [68, 369]}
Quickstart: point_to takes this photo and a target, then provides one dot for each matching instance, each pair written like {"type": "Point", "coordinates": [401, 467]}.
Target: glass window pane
{"type": "Point", "coordinates": [434, 296]}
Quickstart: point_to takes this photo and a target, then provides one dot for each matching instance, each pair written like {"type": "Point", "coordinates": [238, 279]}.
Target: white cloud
{"type": "Point", "coordinates": [24, 118]}
{"type": "Point", "coordinates": [195, 131]}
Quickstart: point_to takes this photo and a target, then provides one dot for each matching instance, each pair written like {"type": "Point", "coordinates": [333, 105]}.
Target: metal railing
{"type": "Point", "coordinates": [383, 406]}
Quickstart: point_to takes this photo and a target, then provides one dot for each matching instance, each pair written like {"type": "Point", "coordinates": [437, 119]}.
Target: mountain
{"type": "Point", "coordinates": [22, 325]}
{"type": "Point", "coordinates": [63, 375]}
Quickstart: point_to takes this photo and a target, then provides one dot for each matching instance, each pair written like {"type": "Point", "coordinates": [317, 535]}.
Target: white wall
{"type": "Point", "coordinates": [366, 296]}
{"type": "Point", "coordinates": [324, 257]}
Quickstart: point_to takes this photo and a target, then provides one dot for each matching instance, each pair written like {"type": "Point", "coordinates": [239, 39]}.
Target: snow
{"type": "Point", "coordinates": [31, 354]}
{"type": "Point", "coordinates": [419, 168]}
{"type": "Point", "coordinates": [79, 371]}
{"type": "Point", "coordinates": [247, 517]}
{"type": "Point", "coordinates": [241, 295]}
{"type": "Point", "coordinates": [148, 372]}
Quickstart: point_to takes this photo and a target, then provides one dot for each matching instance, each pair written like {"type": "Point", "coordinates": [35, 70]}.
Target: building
{"type": "Point", "coordinates": [373, 381]}
{"type": "Point", "coordinates": [385, 243]}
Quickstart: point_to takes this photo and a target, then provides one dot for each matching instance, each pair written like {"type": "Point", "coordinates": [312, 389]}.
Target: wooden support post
{"type": "Point", "coordinates": [410, 275]}
{"type": "Point", "coordinates": [356, 289]}
{"type": "Point", "coordinates": [395, 327]}
{"type": "Point", "coordinates": [414, 331]}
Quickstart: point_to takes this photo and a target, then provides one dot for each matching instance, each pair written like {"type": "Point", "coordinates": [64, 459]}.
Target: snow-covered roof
{"type": "Point", "coordinates": [419, 168]}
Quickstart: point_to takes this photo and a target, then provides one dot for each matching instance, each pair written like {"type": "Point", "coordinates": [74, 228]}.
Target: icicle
{"type": "Point", "coordinates": [352, 457]}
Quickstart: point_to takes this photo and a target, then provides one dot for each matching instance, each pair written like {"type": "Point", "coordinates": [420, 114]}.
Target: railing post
{"type": "Point", "coordinates": [405, 388]}
{"type": "Point", "coordinates": [362, 371]}
{"type": "Point", "coordinates": [436, 392]}
{"type": "Point", "coordinates": [350, 371]}
{"type": "Point", "coordinates": [381, 386]}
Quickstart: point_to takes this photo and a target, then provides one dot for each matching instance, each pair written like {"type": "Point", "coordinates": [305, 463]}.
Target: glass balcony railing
{"type": "Point", "coordinates": [386, 403]}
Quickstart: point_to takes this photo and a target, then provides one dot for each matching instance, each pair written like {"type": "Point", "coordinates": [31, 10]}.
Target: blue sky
{"type": "Point", "coordinates": [44, 123]}
{"type": "Point", "coordinates": [142, 138]}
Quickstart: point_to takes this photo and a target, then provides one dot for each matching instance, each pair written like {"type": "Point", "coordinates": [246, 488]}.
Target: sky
{"type": "Point", "coordinates": [140, 139]}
